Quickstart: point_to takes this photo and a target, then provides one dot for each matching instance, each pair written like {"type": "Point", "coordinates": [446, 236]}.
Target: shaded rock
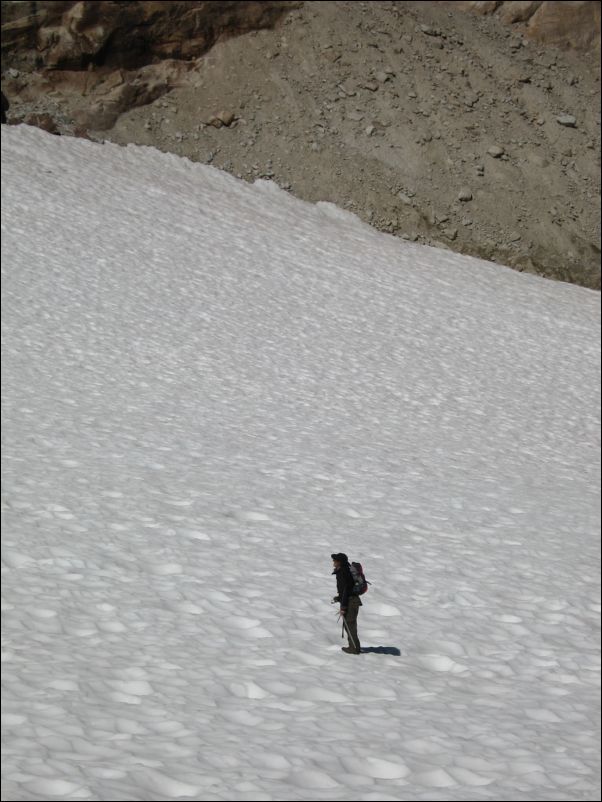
{"type": "Point", "coordinates": [429, 30]}
{"type": "Point", "coordinates": [436, 243]}
{"type": "Point", "coordinates": [43, 121]}
{"type": "Point", "coordinates": [226, 117]}
{"type": "Point", "coordinates": [347, 89]}
{"type": "Point", "coordinates": [331, 55]}
{"type": "Point", "coordinates": [80, 132]}
{"type": "Point", "coordinates": [405, 199]}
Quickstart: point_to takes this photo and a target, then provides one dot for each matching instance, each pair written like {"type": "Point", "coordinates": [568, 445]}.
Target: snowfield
{"type": "Point", "coordinates": [208, 388]}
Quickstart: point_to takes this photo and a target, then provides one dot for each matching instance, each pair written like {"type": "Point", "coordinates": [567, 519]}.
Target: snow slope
{"type": "Point", "coordinates": [208, 388]}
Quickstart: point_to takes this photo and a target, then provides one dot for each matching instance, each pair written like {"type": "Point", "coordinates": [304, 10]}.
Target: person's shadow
{"type": "Point", "coordinates": [381, 650]}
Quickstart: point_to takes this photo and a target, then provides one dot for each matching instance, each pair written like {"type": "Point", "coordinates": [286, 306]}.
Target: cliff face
{"type": "Point", "coordinates": [75, 35]}
{"type": "Point", "coordinates": [454, 129]}
{"type": "Point", "coordinates": [118, 54]}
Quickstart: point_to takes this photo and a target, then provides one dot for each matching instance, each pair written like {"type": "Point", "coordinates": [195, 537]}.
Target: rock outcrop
{"type": "Point", "coordinates": [74, 35]}
{"type": "Point", "coordinates": [116, 55]}
{"type": "Point", "coordinates": [572, 24]}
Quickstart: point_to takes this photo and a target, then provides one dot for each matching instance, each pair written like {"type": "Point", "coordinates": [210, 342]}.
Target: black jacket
{"type": "Point", "coordinates": [345, 585]}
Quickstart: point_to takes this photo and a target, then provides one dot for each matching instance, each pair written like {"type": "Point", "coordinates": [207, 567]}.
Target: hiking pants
{"type": "Point", "coordinates": [353, 608]}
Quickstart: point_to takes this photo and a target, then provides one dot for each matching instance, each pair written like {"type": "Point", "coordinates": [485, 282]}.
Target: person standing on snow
{"type": "Point", "coordinates": [350, 603]}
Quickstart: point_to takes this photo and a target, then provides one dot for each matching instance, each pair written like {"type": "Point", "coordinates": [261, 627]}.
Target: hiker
{"type": "Point", "coordinates": [350, 603]}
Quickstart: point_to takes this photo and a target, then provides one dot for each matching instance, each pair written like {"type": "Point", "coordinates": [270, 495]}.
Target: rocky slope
{"type": "Point", "coordinates": [440, 126]}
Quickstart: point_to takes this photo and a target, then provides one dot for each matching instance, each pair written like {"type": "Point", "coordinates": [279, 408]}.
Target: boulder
{"type": "Point", "coordinates": [567, 120]}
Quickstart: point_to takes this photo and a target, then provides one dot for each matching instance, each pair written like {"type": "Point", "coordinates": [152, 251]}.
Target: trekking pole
{"type": "Point", "coordinates": [340, 616]}
{"type": "Point", "coordinates": [351, 638]}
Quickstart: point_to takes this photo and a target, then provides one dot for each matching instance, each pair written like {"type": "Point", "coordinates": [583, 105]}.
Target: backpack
{"type": "Point", "coordinates": [360, 583]}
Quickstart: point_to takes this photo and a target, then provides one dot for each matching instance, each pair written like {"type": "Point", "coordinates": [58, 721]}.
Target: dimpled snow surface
{"type": "Point", "coordinates": [209, 387]}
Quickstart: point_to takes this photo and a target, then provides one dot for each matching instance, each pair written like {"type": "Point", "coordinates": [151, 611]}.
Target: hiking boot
{"type": "Point", "coordinates": [350, 650]}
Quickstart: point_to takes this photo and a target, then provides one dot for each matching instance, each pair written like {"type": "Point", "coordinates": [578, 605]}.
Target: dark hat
{"type": "Point", "coordinates": [340, 558]}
